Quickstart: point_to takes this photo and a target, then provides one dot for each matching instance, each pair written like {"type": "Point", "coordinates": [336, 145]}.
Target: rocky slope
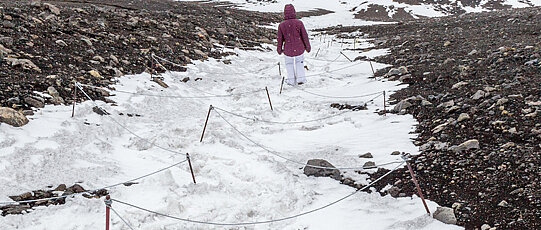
{"type": "Point", "coordinates": [44, 47]}
{"type": "Point", "coordinates": [474, 86]}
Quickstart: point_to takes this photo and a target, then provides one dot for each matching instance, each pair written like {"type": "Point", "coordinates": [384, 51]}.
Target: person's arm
{"type": "Point", "coordinates": [305, 40]}
{"type": "Point", "coordinates": [280, 39]}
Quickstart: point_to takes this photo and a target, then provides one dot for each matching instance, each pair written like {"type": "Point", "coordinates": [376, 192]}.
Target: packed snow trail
{"type": "Point", "coordinates": [237, 180]}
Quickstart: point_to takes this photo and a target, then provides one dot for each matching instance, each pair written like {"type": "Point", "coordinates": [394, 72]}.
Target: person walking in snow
{"type": "Point", "coordinates": [293, 41]}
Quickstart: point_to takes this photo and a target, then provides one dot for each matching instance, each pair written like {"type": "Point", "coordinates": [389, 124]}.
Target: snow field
{"type": "Point", "coordinates": [237, 181]}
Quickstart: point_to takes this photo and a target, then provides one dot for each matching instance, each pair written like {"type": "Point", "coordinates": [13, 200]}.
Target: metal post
{"type": "Point", "coordinates": [279, 69]}
{"type": "Point", "coordinates": [191, 169]}
{"type": "Point", "coordinates": [372, 67]}
{"type": "Point", "coordinates": [346, 56]}
{"type": "Point", "coordinates": [206, 121]}
{"type": "Point", "coordinates": [282, 85]}
{"type": "Point", "coordinates": [268, 96]}
{"type": "Point", "coordinates": [317, 51]}
{"type": "Point", "coordinates": [74, 98]}
{"type": "Point", "coordinates": [151, 65]}
{"type": "Point", "coordinates": [384, 104]}
{"type": "Point", "coordinates": [418, 188]}
{"type": "Point", "coordinates": [108, 203]}
{"type": "Point", "coordinates": [354, 42]}
{"type": "Point", "coordinates": [342, 43]}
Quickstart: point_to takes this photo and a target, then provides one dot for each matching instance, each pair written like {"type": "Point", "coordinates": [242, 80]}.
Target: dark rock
{"type": "Point", "coordinates": [321, 172]}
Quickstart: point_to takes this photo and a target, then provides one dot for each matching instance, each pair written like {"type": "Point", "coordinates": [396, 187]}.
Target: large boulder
{"type": "Point", "coordinates": [12, 117]}
{"type": "Point", "coordinates": [328, 171]}
{"type": "Point", "coordinates": [445, 215]}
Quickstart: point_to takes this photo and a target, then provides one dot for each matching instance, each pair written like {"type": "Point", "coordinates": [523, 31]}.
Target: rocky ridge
{"type": "Point", "coordinates": [474, 86]}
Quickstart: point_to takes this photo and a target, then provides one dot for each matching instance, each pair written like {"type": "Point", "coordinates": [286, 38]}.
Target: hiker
{"type": "Point", "coordinates": [293, 41]}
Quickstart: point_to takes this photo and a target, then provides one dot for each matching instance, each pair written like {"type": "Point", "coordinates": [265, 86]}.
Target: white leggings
{"type": "Point", "coordinates": [295, 69]}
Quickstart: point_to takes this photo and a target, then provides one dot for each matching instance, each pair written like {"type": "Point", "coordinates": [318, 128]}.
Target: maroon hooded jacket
{"type": "Point", "coordinates": [292, 37]}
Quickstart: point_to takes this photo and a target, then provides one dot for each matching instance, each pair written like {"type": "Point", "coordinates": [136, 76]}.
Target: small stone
{"type": "Point", "coordinates": [502, 101]}
{"type": "Point", "coordinates": [52, 91]}
{"type": "Point", "coordinates": [445, 215]}
{"type": "Point", "coordinates": [61, 187]}
{"type": "Point", "coordinates": [473, 52]}
{"type": "Point", "coordinates": [459, 85]}
{"type": "Point", "coordinates": [99, 111]}
{"type": "Point", "coordinates": [403, 70]}
{"type": "Point", "coordinates": [485, 227]}
{"type": "Point", "coordinates": [503, 203]}
{"type": "Point", "coordinates": [470, 144]}
{"type": "Point", "coordinates": [61, 43]}
{"type": "Point", "coordinates": [393, 72]}
{"type": "Point", "coordinates": [463, 117]}
{"type": "Point", "coordinates": [369, 165]}
{"type": "Point", "coordinates": [425, 103]}
{"type": "Point", "coordinates": [446, 43]}
{"type": "Point", "coordinates": [478, 95]}
{"type": "Point", "coordinates": [52, 8]}
{"type": "Point", "coordinates": [94, 73]}
{"type": "Point", "coordinates": [395, 153]}
{"type": "Point", "coordinates": [401, 105]}
{"type": "Point", "coordinates": [366, 155]}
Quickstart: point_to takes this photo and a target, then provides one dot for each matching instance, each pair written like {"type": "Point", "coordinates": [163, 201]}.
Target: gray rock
{"type": "Point", "coordinates": [401, 105]}
{"type": "Point", "coordinates": [4, 50]}
{"type": "Point", "coordinates": [463, 117]}
{"type": "Point", "coordinates": [395, 153]}
{"type": "Point", "coordinates": [366, 155]}
{"type": "Point", "coordinates": [473, 52]}
{"type": "Point", "coordinates": [532, 62]}
{"type": "Point", "coordinates": [52, 91]}
{"type": "Point", "coordinates": [25, 63]}
{"type": "Point", "coordinates": [485, 227]}
{"type": "Point", "coordinates": [12, 117]}
{"type": "Point", "coordinates": [99, 111]}
{"type": "Point", "coordinates": [321, 172]}
{"type": "Point", "coordinates": [503, 203]}
{"type": "Point", "coordinates": [403, 70]}
{"type": "Point", "coordinates": [425, 103]}
{"type": "Point", "coordinates": [470, 144]}
{"type": "Point", "coordinates": [52, 8]}
{"type": "Point", "coordinates": [478, 95]}
{"type": "Point", "coordinates": [445, 215]}
{"type": "Point", "coordinates": [61, 43]}
{"type": "Point", "coordinates": [393, 72]}
{"type": "Point", "coordinates": [33, 102]}
{"type": "Point", "coordinates": [369, 165]}
{"type": "Point", "coordinates": [502, 101]}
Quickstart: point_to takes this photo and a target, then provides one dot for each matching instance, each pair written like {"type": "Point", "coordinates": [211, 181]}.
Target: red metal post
{"type": "Point", "coordinates": [268, 96]}
{"type": "Point", "coordinates": [108, 203]}
{"type": "Point", "coordinates": [74, 98]}
{"type": "Point", "coordinates": [191, 169]}
{"type": "Point", "coordinates": [206, 121]}
{"type": "Point", "coordinates": [418, 188]}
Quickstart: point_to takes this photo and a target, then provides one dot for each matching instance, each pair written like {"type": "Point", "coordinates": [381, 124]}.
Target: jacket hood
{"type": "Point", "coordinates": [289, 12]}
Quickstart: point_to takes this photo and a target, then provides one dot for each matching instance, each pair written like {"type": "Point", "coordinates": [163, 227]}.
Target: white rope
{"type": "Point", "coordinates": [291, 160]}
{"type": "Point", "coordinates": [330, 96]}
{"type": "Point", "coordinates": [282, 122]}
{"type": "Point", "coordinates": [265, 221]}
{"type": "Point", "coordinates": [125, 222]}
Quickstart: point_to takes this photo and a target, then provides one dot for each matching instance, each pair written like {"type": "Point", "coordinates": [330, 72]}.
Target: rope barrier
{"type": "Point", "coordinates": [291, 160]}
{"type": "Point", "coordinates": [327, 96]}
{"type": "Point", "coordinates": [281, 122]}
{"type": "Point", "coordinates": [93, 190]}
{"type": "Point", "coordinates": [125, 222]}
{"type": "Point", "coordinates": [265, 221]}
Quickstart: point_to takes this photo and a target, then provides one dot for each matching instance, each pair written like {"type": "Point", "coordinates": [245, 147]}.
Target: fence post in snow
{"type": "Point", "coordinates": [384, 105]}
{"type": "Point", "coordinates": [342, 43]}
{"type": "Point", "coordinates": [206, 121]}
{"type": "Point", "coordinates": [268, 96]}
{"type": "Point", "coordinates": [108, 203]}
{"type": "Point", "coordinates": [282, 85]}
{"type": "Point", "coordinates": [417, 185]}
{"type": "Point", "coordinates": [279, 69]}
{"type": "Point", "coordinates": [372, 67]}
{"type": "Point", "coordinates": [346, 56]}
{"type": "Point", "coordinates": [354, 42]}
{"type": "Point", "coordinates": [74, 98]}
{"type": "Point", "coordinates": [191, 169]}
{"type": "Point", "coordinates": [151, 65]}
{"type": "Point", "coordinates": [317, 51]}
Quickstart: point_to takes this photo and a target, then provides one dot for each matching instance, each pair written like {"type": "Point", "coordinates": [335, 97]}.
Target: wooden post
{"type": "Point", "coordinates": [384, 104]}
{"type": "Point", "coordinates": [317, 51]}
{"type": "Point", "coordinates": [191, 169]}
{"type": "Point", "coordinates": [206, 121]}
{"type": "Point", "coordinates": [268, 96]}
{"type": "Point", "coordinates": [346, 56]}
{"type": "Point", "coordinates": [74, 98]}
{"type": "Point", "coordinates": [279, 69]}
{"type": "Point", "coordinates": [282, 85]}
{"type": "Point", "coordinates": [418, 188]}
{"type": "Point", "coordinates": [372, 67]}
{"type": "Point", "coordinates": [108, 203]}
